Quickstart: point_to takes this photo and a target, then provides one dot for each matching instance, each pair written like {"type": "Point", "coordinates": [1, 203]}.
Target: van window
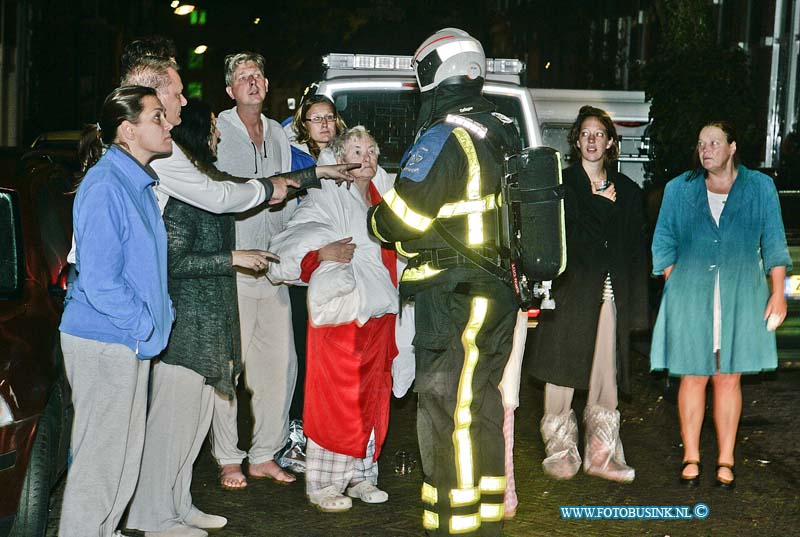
{"type": "Point", "coordinates": [555, 135]}
{"type": "Point", "coordinates": [391, 117]}
{"type": "Point", "coordinates": [511, 107]}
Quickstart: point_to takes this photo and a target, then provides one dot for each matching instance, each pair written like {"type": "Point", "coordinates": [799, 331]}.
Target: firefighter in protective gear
{"type": "Point", "coordinates": [465, 316]}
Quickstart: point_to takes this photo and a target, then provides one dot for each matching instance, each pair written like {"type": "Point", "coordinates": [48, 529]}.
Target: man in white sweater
{"type": "Point", "coordinates": [253, 146]}
{"type": "Point", "coordinates": [178, 177]}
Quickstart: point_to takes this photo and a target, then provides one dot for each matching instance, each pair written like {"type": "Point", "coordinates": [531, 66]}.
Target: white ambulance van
{"type": "Point", "coordinates": [381, 93]}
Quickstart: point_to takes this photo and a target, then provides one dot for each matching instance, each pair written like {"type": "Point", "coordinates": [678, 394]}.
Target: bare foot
{"type": "Point", "coordinates": [725, 475]}
{"type": "Point", "coordinates": [690, 471]}
{"type": "Point", "coordinates": [270, 470]}
{"type": "Point", "coordinates": [231, 477]}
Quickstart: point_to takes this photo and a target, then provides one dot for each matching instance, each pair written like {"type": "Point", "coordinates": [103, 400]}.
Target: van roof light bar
{"type": "Point", "coordinates": [505, 66]}
{"type": "Point", "coordinates": [378, 62]}
{"type": "Point", "coordinates": [367, 61]}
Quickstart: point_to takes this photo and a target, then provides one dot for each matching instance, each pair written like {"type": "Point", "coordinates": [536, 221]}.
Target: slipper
{"type": "Point", "coordinates": [288, 478]}
{"type": "Point", "coordinates": [330, 500]}
{"type": "Point", "coordinates": [231, 477]}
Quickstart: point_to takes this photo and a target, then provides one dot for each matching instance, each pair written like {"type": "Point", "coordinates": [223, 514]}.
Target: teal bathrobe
{"type": "Point", "coordinates": [748, 242]}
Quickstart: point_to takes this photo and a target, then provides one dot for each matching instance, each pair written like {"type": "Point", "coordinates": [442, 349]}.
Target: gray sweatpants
{"type": "Point", "coordinates": [177, 423]}
{"type": "Point", "coordinates": [109, 393]}
{"type": "Point", "coordinates": [270, 364]}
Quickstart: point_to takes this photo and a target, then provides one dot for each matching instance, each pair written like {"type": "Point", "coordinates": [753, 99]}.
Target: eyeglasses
{"type": "Point", "coordinates": [330, 118]}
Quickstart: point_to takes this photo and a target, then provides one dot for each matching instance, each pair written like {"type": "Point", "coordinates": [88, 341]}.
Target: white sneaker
{"type": "Point", "coordinates": [367, 493]}
{"type": "Point", "coordinates": [199, 519]}
{"type": "Point", "coordinates": [330, 500]}
{"type": "Point", "coordinates": [181, 530]}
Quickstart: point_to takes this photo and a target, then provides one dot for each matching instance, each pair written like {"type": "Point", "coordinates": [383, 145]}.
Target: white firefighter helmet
{"type": "Point", "coordinates": [448, 53]}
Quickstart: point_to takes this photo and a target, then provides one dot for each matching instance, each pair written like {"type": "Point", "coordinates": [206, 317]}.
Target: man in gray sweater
{"type": "Point", "coordinates": [254, 146]}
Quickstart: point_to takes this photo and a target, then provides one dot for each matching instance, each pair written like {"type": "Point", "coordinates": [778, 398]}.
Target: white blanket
{"type": "Point", "coordinates": [338, 292]}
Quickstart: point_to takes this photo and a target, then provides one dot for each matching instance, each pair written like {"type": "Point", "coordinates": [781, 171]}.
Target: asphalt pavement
{"type": "Point", "coordinates": [766, 501]}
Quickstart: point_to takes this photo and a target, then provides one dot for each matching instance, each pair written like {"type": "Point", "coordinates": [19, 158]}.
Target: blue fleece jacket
{"type": "Point", "coordinates": [120, 295]}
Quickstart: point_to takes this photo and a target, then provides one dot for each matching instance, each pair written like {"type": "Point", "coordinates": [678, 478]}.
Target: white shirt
{"type": "Point", "coordinates": [238, 155]}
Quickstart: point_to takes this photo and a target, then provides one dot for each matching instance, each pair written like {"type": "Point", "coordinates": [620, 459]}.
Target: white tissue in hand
{"type": "Point", "coordinates": [773, 322]}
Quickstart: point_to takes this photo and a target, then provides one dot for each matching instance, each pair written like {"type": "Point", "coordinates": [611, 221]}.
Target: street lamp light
{"type": "Point", "coordinates": [175, 3]}
{"type": "Point", "coordinates": [185, 9]}
{"type": "Point", "coordinates": [199, 49]}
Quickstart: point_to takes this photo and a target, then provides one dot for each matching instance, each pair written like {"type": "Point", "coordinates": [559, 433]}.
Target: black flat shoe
{"type": "Point", "coordinates": [726, 485]}
{"type": "Point", "coordinates": [693, 481]}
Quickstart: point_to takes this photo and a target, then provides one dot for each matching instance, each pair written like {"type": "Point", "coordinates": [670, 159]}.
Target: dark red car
{"type": "Point", "coordinates": [35, 409]}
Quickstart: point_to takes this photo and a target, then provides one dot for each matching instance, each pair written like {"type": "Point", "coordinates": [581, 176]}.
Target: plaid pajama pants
{"type": "Point", "coordinates": [326, 468]}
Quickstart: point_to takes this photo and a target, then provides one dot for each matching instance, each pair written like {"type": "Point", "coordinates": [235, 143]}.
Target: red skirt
{"type": "Point", "coordinates": [348, 385]}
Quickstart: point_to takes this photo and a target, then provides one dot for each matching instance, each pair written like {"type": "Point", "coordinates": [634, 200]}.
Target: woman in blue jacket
{"type": "Point", "coordinates": [118, 314]}
{"type": "Point", "coordinates": [719, 234]}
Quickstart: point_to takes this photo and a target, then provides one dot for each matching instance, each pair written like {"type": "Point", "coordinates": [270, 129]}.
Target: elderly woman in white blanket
{"type": "Point", "coordinates": [353, 302]}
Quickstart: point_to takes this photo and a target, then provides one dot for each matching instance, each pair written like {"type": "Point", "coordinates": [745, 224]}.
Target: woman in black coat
{"type": "Point", "coordinates": [601, 297]}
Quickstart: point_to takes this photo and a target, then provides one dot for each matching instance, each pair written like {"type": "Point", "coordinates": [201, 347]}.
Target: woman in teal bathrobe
{"type": "Point", "coordinates": [719, 234]}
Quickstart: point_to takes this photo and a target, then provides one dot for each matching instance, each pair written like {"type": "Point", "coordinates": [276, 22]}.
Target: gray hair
{"type": "Point", "coordinates": [339, 144]}
{"type": "Point", "coordinates": [232, 61]}
{"type": "Point", "coordinates": [150, 72]}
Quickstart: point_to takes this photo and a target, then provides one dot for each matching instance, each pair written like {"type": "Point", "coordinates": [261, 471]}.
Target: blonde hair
{"type": "Point", "coordinates": [232, 61]}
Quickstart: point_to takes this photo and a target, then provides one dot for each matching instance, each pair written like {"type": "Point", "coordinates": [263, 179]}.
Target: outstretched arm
{"type": "Point", "coordinates": [182, 180]}
{"type": "Point", "coordinates": [286, 185]}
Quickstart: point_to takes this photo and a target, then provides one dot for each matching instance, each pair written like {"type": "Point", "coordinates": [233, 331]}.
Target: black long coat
{"type": "Point", "coordinates": [602, 237]}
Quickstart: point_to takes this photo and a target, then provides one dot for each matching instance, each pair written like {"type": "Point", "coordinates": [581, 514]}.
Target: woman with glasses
{"type": "Point", "coordinates": [314, 125]}
{"type": "Point", "coordinates": [602, 296]}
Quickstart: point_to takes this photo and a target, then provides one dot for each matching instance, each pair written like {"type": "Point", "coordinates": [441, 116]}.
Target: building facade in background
{"type": "Point", "coordinates": [604, 45]}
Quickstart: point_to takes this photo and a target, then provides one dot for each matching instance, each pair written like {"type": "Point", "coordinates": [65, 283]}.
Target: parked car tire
{"type": "Point", "coordinates": [34, 502]}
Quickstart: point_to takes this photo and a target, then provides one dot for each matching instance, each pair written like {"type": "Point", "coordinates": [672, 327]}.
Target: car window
{"type": "Point", "coordinates": [11, 256]}
{"type": "Point", "coordinates": [53, 208]}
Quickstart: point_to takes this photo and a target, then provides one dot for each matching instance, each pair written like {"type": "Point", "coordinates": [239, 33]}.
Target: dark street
{"type": "Point", "coordinates": [486, 140]}
{"type": "Point", "coordinates": [765, 501]}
